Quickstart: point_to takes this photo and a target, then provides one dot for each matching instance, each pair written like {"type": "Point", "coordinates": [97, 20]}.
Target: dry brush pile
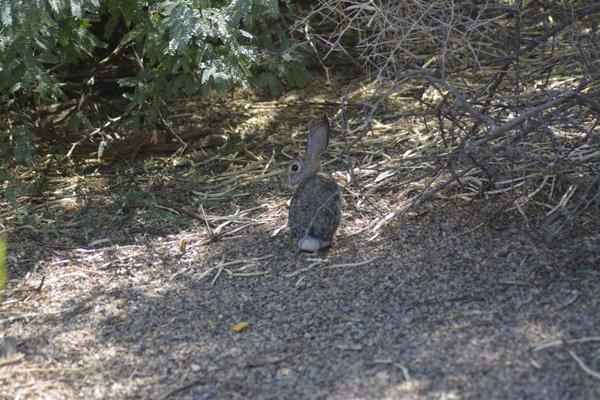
{"type": "Point", "coordinates": [502, 99]}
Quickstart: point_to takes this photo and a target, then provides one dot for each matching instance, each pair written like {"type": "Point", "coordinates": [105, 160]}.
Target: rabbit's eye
{"type": "Point", "coordinates": [294, 167]}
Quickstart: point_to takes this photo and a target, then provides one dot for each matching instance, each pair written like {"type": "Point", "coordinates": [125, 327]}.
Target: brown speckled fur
{"type": "Point", "coordinates": [316, 209]}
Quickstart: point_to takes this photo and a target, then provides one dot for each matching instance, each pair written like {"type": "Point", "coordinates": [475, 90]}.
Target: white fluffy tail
{"type": "Point", "coordinates": [311, 244]}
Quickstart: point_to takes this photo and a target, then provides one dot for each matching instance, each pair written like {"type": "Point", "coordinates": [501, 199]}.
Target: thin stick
{"type": "Point", "coordinates": [345, 265]}
{"type": "Point", "coordinates": [584, 367]}
{"type": "Point", "coordinates": [562, 342]}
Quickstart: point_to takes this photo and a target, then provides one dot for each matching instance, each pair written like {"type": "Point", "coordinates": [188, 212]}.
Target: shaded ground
{"type": "Point", "coordinates": [137, 298]}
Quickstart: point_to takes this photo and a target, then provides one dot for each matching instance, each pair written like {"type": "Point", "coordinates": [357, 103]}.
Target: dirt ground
{"type": "Point", "coordinates": [119, 289]}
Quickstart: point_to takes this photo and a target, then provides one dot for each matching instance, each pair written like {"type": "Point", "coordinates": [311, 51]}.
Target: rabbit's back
{"type": "Point", "coordinates": [315, 212]}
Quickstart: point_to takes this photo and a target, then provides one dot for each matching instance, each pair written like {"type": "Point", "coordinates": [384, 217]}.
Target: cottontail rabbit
{"type": "Point", "coordinates": [316, 210]}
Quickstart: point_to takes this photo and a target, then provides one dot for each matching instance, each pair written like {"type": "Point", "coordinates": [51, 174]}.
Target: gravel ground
{"type": "Point", "coordinates": [119, 295]}
{"type": "Point", "coordinates": [432, 315]}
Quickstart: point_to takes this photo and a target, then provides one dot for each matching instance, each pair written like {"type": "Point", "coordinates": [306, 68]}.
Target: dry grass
{"type": "Point", "coordinates": [490, 101]}
{"type": "Point", "coordinates": [383, 35]}
{"type": "Point", "coordinates": [171, 277]}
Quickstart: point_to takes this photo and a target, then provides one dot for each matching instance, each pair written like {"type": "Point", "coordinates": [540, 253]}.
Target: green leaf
{"type": "Point", "coordinates": [23, 148]}
{"type": "Point", "coordinates": [6, 14]}
{"type": "Point", "coordinates": [179, 46]}
{"type": "Point", "coordinates": [58, 6]}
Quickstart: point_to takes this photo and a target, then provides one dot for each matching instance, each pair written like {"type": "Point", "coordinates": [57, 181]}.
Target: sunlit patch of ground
{"type": "Point", "coordinates": [130, 283]}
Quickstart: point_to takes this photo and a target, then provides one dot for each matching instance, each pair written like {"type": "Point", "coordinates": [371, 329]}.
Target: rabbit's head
{"type": "Point", "coordinates": [309, 163]}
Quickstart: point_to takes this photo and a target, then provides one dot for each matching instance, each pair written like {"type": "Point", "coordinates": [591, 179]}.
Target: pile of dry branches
{"type": "Point", "coordinates": [510, 91]}
{"type": "Point", "coordinates": [382, 35]}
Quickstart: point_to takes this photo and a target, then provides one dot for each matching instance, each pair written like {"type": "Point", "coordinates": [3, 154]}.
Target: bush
{"type": "Point", "coordinates": [160, 49]}
{"type": "Point", "coordinates": [507, 92]}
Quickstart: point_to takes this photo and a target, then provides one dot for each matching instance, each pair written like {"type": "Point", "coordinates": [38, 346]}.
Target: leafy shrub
{"type": "Point", "coordinates": [169, 48]}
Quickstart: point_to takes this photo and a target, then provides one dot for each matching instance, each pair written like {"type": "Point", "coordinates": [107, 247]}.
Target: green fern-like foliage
{"type": "Point", "coordinates": [183, 47]}
{"type": "Point", "coordinates": [34, 35]}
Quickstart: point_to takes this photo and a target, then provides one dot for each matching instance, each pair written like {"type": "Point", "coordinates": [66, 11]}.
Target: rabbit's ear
{"type": "Point", "coordinates": [318, 138]}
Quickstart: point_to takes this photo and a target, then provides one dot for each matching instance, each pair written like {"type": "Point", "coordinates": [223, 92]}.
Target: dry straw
{"type": "Point", "coordinates": [489, 102]}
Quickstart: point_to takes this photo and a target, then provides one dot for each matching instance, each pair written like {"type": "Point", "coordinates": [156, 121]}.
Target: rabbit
{"type": "Point", "coordinates": [315, 211]}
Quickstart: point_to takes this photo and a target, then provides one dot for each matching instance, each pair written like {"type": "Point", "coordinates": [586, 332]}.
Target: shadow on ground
{"type": "Point", "coordinates": [434, 315]}
{"type": "Point", "coordinates": [139, 298]}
